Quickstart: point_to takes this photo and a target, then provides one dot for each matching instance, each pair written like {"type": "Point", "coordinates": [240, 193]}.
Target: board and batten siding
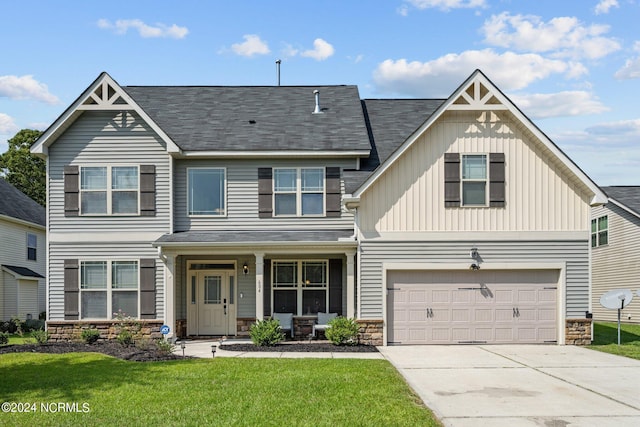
{"type": "Point", "coordinates": [242, 198]}
{"type": "Point", "coordinates": [617, 264]}
{"type": "Point", "coordinates": [575, 253]}
{"type": "Point", "coordinates": [540, 193]}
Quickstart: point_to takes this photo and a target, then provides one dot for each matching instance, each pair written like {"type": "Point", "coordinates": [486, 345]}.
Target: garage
{"type": "Point", "coordinates": [468, 307]}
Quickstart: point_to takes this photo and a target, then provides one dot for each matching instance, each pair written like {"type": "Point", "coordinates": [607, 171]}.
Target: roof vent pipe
{"type": "Point", "coordinates": [317, 109]}
{"type": "Point", "coordinates": [278, 70]}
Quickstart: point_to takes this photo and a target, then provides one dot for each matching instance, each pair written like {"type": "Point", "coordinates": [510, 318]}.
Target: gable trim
{"type": "Point", "coordinates": [624, 207]}
{"type": "Point", "coordinates": [483, 102]}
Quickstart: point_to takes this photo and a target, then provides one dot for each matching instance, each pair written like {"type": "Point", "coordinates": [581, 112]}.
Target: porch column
{"type": "Point", "coordinates": [351, 295]}
{"type": "Point", "coordinates": [259, 286]}
{"type": "Point", "coordinates": [169, 291]}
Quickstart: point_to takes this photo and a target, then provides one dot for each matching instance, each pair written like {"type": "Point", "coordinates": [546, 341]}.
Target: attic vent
{"type": "Point", "coordinates": [317, 109]}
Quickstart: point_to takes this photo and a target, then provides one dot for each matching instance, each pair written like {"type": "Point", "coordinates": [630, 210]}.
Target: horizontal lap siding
{"type": "Point", "coordinates": [242, 198]}
{"type": "Point", "coordinates": [574, 253]}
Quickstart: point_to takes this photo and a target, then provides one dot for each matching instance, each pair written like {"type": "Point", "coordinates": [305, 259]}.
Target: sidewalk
{"type": "Point", "coordinates": [202, 349]}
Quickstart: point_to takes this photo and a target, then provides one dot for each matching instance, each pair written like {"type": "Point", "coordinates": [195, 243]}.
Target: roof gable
{"type": "Point", "coordinates": [625, 196]}
{"type": "Point", "coordinates": [478, 93]}
{"type": "Point", "coordinates": [17, 205]}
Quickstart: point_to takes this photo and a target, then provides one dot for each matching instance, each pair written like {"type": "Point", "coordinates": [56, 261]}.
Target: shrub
{"type": "Point", "coordinates": [127, 328]}
{"type": "Point", "coordinates": [42, 315]}
{"type": "Point", "coordinates": [343, 331]}
{"type": "Point", "coordinates": [32, 325]}
{"type": "Point", "coordinates": [266, 332]}
{"type": "Point", "coordinates": [4, 338]}
{"type": "Point", "coordinates": [125, 337]}
{"type": "Point", "coordinates": [90, 335]}
{"type": "Point", "coordinates": [165, 346]}
{"type": "Point", "coordinates": [7, 326]}
{"type": "Point", "coordinates": [17, 326]}
{"type": "Point", "coordinates": [41, 336]}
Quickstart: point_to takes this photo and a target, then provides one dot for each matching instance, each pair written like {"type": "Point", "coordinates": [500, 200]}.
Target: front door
{"type": "Point", "coordinates": [212, 308]}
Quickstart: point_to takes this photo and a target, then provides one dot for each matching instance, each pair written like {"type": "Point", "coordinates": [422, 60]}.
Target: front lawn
{"type": "Point", "coordinates": [25, 338]}
{"type": "Point", "coordinates": [221, 391]}
{"type": "Point", "coordinates": [606, 339]}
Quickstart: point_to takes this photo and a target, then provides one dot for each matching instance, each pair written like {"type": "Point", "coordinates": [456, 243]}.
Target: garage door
{"type": "Point", "coordinates": [462, 307]}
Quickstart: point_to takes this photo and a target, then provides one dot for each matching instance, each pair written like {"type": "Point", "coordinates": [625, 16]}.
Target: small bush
{"type": "Point", "coordinates": [41, 336]}
{"type": "Point", "coordinates": [266, 333]}
{"type": "Point", "coordinates": [165, 346]}
{"type": "Point", "coordinates": [90, 335]}
{"type": "Point", "coordinates": [4, 338]}
{"type": "Point", "coordinates": [17, 326]}
{"type": "Point", "coordinates": [125, 337]}
{"type": "Point", "coordinates": [343, 331]}
{"type": "Point", "coordinates": [42, 315]}
{"type": "Point", "coordinates": [144, 343]}
{"type": "Point", "coordinates": [7, 327]}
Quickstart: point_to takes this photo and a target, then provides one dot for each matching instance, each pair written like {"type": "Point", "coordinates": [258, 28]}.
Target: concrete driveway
{"type": "Point", "coordinates": [522, 385]}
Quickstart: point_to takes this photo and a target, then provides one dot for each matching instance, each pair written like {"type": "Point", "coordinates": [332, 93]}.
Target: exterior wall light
{"type": "Point", "coordinates": [245, 269]}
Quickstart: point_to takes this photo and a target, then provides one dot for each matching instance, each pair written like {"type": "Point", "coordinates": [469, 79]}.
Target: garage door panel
{"type": "Point", "coordinates": [483, 335]}
{"type": "Point", "coordinates": [504, 315]}
{"type": "Point", "coordinates": [503, 296]}
{"type": "Point", "coordinates": [442, 296]}
{"type": "Point", "coordinates": [441, 315]}
{"type": "Point", "coordinates": [440, 336]}
{"type": "Point", "coordinates": [503, 335]}
{"type": "Point", "coordinates": [460, 315]}
{"type": "Point", "coordinates": [461, 334]}
{"type": "Point", "coordinates": [417, 315]}
{"type": "Point", "coordinates": [416, 296]}
{"type": "Point", "coordinates": [483, 315]}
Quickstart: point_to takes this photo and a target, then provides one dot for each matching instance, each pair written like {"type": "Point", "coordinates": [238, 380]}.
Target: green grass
{"type": "Point", "coordinates": [24, 339]}
{"type": "Point", "coordinates": [221, 391]}
{"type": "Point", "coordinates": [605, 338]}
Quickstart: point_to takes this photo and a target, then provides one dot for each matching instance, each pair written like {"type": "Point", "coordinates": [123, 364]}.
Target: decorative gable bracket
{"type": "Point", "coordinates": [477, 96]}
{"type": "Point", "coordinates": [105, 96]}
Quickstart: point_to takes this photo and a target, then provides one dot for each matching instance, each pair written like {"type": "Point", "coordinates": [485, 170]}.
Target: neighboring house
{"type": "Point", "coordinates": [23, 255]}
{"type": "Point", "coordinates": [206, 208]}
{"type": "Point", "coordinates": [615, 259]}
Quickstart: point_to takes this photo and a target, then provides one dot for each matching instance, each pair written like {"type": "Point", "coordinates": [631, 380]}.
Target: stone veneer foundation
{"type": "Point", "coordinates": [71, 330]}
{"type": "Point", "coordinates": [370, 332]}
{"type": "Point", "coordinates": [578, 332]}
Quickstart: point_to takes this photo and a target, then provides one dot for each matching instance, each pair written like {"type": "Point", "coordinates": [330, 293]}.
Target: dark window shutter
{"type": "Point", "coordinates": [71, 289]}
{"type": "Point", "coordinates": [333, 193]}
{"type": "Point", "coordinates": [71, 191]}
{"type": "Point", "coordinates": [147, 288]}
{"type": "Point", "coordinates": [266, 287]}
{"type": "Point", "coordinates": [451, 180]}
{"type": "Point", "coordinates": [265, 192]}
{"type": "Point", "coordinates": [496, 180]}
{"type": "Point", "coordinates": [335, 286]}
{"type": "Point", "coordinates": [147, 190]}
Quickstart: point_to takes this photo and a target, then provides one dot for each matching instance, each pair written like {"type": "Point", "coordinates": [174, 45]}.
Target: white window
{"type": "Point", "coordinates": [108, 287]}
{"type": "Point", "coordinates": [109, 190]}
{"type": "Point", "coordinates": [299, 191]}
{"type": "Point", "coordinates": [32, 247]}
{"type": "Point", "coordinates": [599, 231]}
{"type": "Point", "coordinates": [474, 179]}
{"type": "Point", "coordinates": [299, 287]}
{"type": "Point", "coordinates": [206, 191]}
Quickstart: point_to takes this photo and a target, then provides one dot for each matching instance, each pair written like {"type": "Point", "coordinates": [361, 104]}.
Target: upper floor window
{"type": "Point", "coordinates": [108, 288]}
{"type": "Point", "coordinates": [206, 191]}
{"type": "Point", "coordinates": [599, 231]}
{"type": "Point", "coordinates": [299, 191]}
{"type": "Point", "coordinates": [109, 190]}
{"type": "Point", "coordinates": [32, 247]}
{"type": "Point", "coordinates": [474, 180]}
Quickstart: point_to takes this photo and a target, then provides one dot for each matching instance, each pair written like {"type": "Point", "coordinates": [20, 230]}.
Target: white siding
{"type": "Point", "coordinates": [27, 298]}
{"type": "Point", "coordinates": [541, 195]}
{"type": "Point", "coordinates": [617, 265]}
{"type": "Point", "coordinates": [10, 296]}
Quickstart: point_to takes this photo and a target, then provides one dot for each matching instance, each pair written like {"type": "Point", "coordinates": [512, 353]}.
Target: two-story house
{"type": "Point", "coordinates": [22, 255]}
{"type": "Point", "coordinates": [206, 208]}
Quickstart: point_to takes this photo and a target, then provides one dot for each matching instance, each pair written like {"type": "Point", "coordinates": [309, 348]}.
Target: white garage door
{"type": "Point", "coordinates": [461, 307]}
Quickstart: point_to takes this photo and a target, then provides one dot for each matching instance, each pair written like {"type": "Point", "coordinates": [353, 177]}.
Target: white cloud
{"type": "Point", "coordinates": [560, 37]}
{"type": "Point", "coordinates": [321, 50]}
{"type": "Point", "coordinates": [631, 68]}
{"type": "Point", "coordinates": [604, 6]}
{"type": "Point", "coordinates": [622, 129]}
{"type": "Point", "coordinates": [510, 71]}
{"type": "Point", "coordinates": [25, 87]}
{"type": "Point", "coordinates": [446, 5]}
{"type": "Point", "coordinates": [121, 26]}
{"type": "Point", "coordinates": [567, 103]}
{"type": "Point", "coordinates": [7, 125]}
{"type": "Point", "coordinates": [252, 45]}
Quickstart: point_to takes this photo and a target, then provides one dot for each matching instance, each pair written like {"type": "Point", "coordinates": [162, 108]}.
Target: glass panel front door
{"type": "Point", "coordinates": [212, 310]}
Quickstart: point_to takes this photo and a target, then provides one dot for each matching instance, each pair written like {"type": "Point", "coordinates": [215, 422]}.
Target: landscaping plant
{"type": "Point", "coordinates": [4, 338]}
{"type": "Point", "coordinates": [343, 331]}
{"type": "Point", "coordinates": [90, 335]}
{"type": "Point", "coordinates": [40, 335]}
{"type": "Point", "coordinates": [266, 332]}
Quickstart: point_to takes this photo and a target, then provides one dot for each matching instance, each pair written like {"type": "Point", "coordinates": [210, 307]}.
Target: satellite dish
{"type": "Point", "coordinates": [616, 299]}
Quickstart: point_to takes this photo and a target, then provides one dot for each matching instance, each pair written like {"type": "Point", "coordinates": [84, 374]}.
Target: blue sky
{"type": "Point", "coordinates": [572, 66]}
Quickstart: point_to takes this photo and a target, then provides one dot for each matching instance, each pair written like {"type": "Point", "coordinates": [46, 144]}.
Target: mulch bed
{"type": "Point", "coordinates": [303, 346]}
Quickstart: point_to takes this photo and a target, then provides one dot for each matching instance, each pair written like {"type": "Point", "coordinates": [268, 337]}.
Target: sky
{"type": "Point", "coordinates": [572, 66]}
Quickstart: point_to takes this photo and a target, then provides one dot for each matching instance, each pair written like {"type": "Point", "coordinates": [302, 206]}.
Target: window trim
{"type": "Point", "coordinates": [109, 190]}
{"type": "Point", "coordinates": [299, 287]}
{"type": "Point", "coordinates": [299, 192]}
{"type": "Point", "coordinates": [35, 248]}
{"type": "Point", "coordinates": [486, 180]}
{"type": "Point", "coordinates": [224, 196]}
{"type": "Point", "coordinates": [109, 289]}
{"type": "Point", "coordinates": [595, 234]}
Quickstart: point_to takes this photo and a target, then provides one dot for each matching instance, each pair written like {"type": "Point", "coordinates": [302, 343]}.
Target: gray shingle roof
{"type": "Point", "coordinates": [23, 271]}
{"type": "Point", "coordinates": [255, 236]}
{"type": "Point", "coordinates": [628, 195]}
{"type": "Point", "coordinates": [256, 118]}
{"type": "Point", "coordinates": [16, 204]}
{"type": "Point", "coordinates": [390, 123]}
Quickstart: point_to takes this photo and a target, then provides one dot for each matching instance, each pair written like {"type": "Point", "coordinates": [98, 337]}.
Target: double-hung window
{"type": "Point", "coordinates": [108, 288]}
{"type": "Point", "coordinates": [599, 231]}
{"type": "Point", "coordinates": [109, 190]}
{"type": "Point", "coordinates": [299, 191]}
{"type": "Point", "coordinates": [300, 287]}
{"type": "Point", "coordinates": [206, 191]}
{"type": "Point", "coordinates": [32, 247]}
{"type": "Point", "coordinates": [474, 180]}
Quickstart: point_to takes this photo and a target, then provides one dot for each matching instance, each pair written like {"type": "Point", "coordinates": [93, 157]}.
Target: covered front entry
{"type": "Point", "coordinates": [211, 303]}
{"type": "Point", "coordinates": [460, 307]}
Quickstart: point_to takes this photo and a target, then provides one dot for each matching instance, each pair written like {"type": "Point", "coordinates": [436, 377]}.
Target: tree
{"type": "Point", "coordinates": [22, 169]}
